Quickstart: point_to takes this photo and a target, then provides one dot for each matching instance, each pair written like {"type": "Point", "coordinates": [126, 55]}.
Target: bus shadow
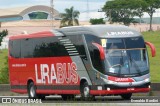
{"type": "Point", "coordinates": [79, 100]}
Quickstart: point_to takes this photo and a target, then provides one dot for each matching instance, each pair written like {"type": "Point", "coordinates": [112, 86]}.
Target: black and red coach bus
{"type": "Point", "coordinates": [86, 60]}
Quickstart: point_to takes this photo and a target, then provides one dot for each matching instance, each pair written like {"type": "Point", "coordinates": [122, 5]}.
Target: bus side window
{"type": "Point", "coordinates": [49, 47]}
{"type": "Point", "coordinates": [11, 48]}
{"type": "Point", "coordinates": [94, 52]}
{"type": "Point", "coordinates": [27, 43]}
{"type": "Point", "coordinates": [15, 48]}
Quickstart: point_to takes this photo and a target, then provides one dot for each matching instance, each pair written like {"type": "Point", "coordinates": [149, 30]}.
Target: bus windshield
{"type": "Point", "coordinates": [125, 57]}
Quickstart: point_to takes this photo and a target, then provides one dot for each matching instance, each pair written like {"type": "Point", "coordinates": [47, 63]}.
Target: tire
{"type": "Point", "coordinates": [32, 91]}
{"type": "Point", "coordinates": [67, 97]}
{"type": "Point", "coordinates": [85, 92]}
{"type": "Point", "coordinates": [126, 96]}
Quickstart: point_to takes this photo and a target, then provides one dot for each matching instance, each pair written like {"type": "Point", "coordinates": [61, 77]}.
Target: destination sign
{"type": "Point", "coordinates": [120, 33]}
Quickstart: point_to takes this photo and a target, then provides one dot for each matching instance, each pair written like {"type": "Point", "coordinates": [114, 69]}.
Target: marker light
{"type": "Point", "coordinates": [149, 86]}
{"type": "Point", "coordinates": [108, 89]}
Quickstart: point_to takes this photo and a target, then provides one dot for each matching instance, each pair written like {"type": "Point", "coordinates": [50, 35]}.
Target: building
{"type": "Point", "coordinates": [38, 12]}
{"type": "Point", "coordinates": [28, 13]}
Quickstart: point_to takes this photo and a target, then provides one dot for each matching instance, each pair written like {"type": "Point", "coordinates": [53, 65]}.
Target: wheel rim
{"type": "Point", "coordinates": [86, 91]}
{"type": "Point", "coordinates": [32, 91]}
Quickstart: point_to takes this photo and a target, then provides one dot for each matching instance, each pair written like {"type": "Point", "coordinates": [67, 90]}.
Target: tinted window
{"type": "Point", "coordinates": [27, 48]}
{"type": "Point", "coordinates": [94, 52]}
{"type": "Point", "coordinates": [115, 44]}
{"type": "Point", "coordinates": [37, 47]}
{"type": "Point", "coordinates": [14, 47]}
{"type": "Point", "coordinates": [136, 42]}
{"type": "Point", "coordinates": [38, 15]}
{"type": "Point", "coordinates": [48, 47]}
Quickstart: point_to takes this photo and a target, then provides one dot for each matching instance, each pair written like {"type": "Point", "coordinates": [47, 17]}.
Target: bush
{"type": "Point", "coordinates": [97, 21]}
{"type": "Point", "coordinates": [3, 34]}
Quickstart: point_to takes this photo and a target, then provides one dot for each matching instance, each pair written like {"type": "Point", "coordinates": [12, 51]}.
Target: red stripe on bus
{"type": "Point", "coordinates": [117, 79]}
{"type": "Point", "coordinates": [58, 92]}
{"type": "Point", "coordinates": [34, 35]}
{"type": "Point", "coordinates": [22, 91]}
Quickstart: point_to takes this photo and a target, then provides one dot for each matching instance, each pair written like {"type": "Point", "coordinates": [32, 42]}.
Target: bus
{"type": "Point", "coordinates": [80, 60]}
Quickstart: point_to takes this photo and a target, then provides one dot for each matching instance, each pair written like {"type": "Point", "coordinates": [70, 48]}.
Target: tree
{"type": "Point", "coordinates": [2, 35]}
{"type": "Point", "coordinates": [140, 6]}
{"type": "Point", "coordinates": [119, 11]}
{"type": "Point", "coordinates": [97, 21]}
{"type": "Point", "coordinates": [124, 10]}
{"type": "Point", "coordinates": [70, 18]}
{"type": "Point", "coordinates": [152, 5]}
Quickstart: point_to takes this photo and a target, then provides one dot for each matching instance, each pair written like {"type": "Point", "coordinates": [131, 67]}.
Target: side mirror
{"type": "Point", "coordinates": [101, 50]}
{"type": "Point", "coordinates": [153, 49]}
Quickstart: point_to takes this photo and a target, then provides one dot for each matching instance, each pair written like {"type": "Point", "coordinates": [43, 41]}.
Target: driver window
{"type": "Point", "coordinates": [94, 52]}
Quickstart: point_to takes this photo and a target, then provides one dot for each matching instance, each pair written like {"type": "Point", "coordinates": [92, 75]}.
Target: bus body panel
{"type": "Point", "coordinates": [63, 75]}
{"type": "Point", "coordinates": [34, 69]}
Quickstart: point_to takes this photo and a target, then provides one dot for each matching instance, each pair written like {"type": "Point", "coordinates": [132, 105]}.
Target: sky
{"type": "Point", "coordinates": [61, 5]}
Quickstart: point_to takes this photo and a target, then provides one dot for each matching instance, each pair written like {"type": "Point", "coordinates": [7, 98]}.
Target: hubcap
{"type": "Point", "coordinates": [86, 92]}
{"type": "Point", "coordinates": [32, 91]}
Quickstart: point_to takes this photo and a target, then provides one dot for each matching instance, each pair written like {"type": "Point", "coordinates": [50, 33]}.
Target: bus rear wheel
{"type": "Point", "coordinates": [32, 91]}
{"type": "Point", "coordinates": [126, 96]}
{"type": "Point", "coordinates": [85, 92]}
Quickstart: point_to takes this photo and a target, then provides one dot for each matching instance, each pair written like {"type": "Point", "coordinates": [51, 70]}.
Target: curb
{"type": "Point", "coordinates": [5, 87]}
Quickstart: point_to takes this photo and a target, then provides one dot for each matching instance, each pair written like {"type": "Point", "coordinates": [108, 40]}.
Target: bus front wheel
{"type": "Point", "coordinates": [126, 96]}
{"type": "Point", "coordinates": [85, 92]}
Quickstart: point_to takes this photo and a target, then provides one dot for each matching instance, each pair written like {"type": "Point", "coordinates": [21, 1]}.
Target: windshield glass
{"type": "Point", "coordinates": [125, 56]}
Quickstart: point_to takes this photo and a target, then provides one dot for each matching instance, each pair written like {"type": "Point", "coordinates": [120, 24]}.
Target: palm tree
{"type": "Point", "coordinates": [70, 17]}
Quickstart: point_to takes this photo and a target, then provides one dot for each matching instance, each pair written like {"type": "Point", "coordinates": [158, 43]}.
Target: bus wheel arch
{"type": "Point", "coordinates": [28, 82]}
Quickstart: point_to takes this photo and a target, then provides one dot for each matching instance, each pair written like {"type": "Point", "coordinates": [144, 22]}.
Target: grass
{"type": "Point", "coordinates": [3, 54]}
{"type": "Point", "coordinates": [153, 37]}
{"type": "Point", "coordinates": [3, 67]}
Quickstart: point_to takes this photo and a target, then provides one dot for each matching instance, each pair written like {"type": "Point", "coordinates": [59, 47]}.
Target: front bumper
{"type": "Point", "coordinates": [114, 90]}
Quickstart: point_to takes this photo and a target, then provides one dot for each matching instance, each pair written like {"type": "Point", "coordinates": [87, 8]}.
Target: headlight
{"type": "Point", "coordinates": [147, 80]}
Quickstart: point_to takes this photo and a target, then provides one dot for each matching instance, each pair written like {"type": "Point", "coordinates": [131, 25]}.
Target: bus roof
{"type": "Point", "coordinates": [103, 31]}
{"type": "Point", "coordinates": [37, 35]}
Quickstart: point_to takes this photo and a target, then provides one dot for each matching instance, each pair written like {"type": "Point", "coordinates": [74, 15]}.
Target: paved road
{"type": "Point", "coordinates": [105, 99]}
